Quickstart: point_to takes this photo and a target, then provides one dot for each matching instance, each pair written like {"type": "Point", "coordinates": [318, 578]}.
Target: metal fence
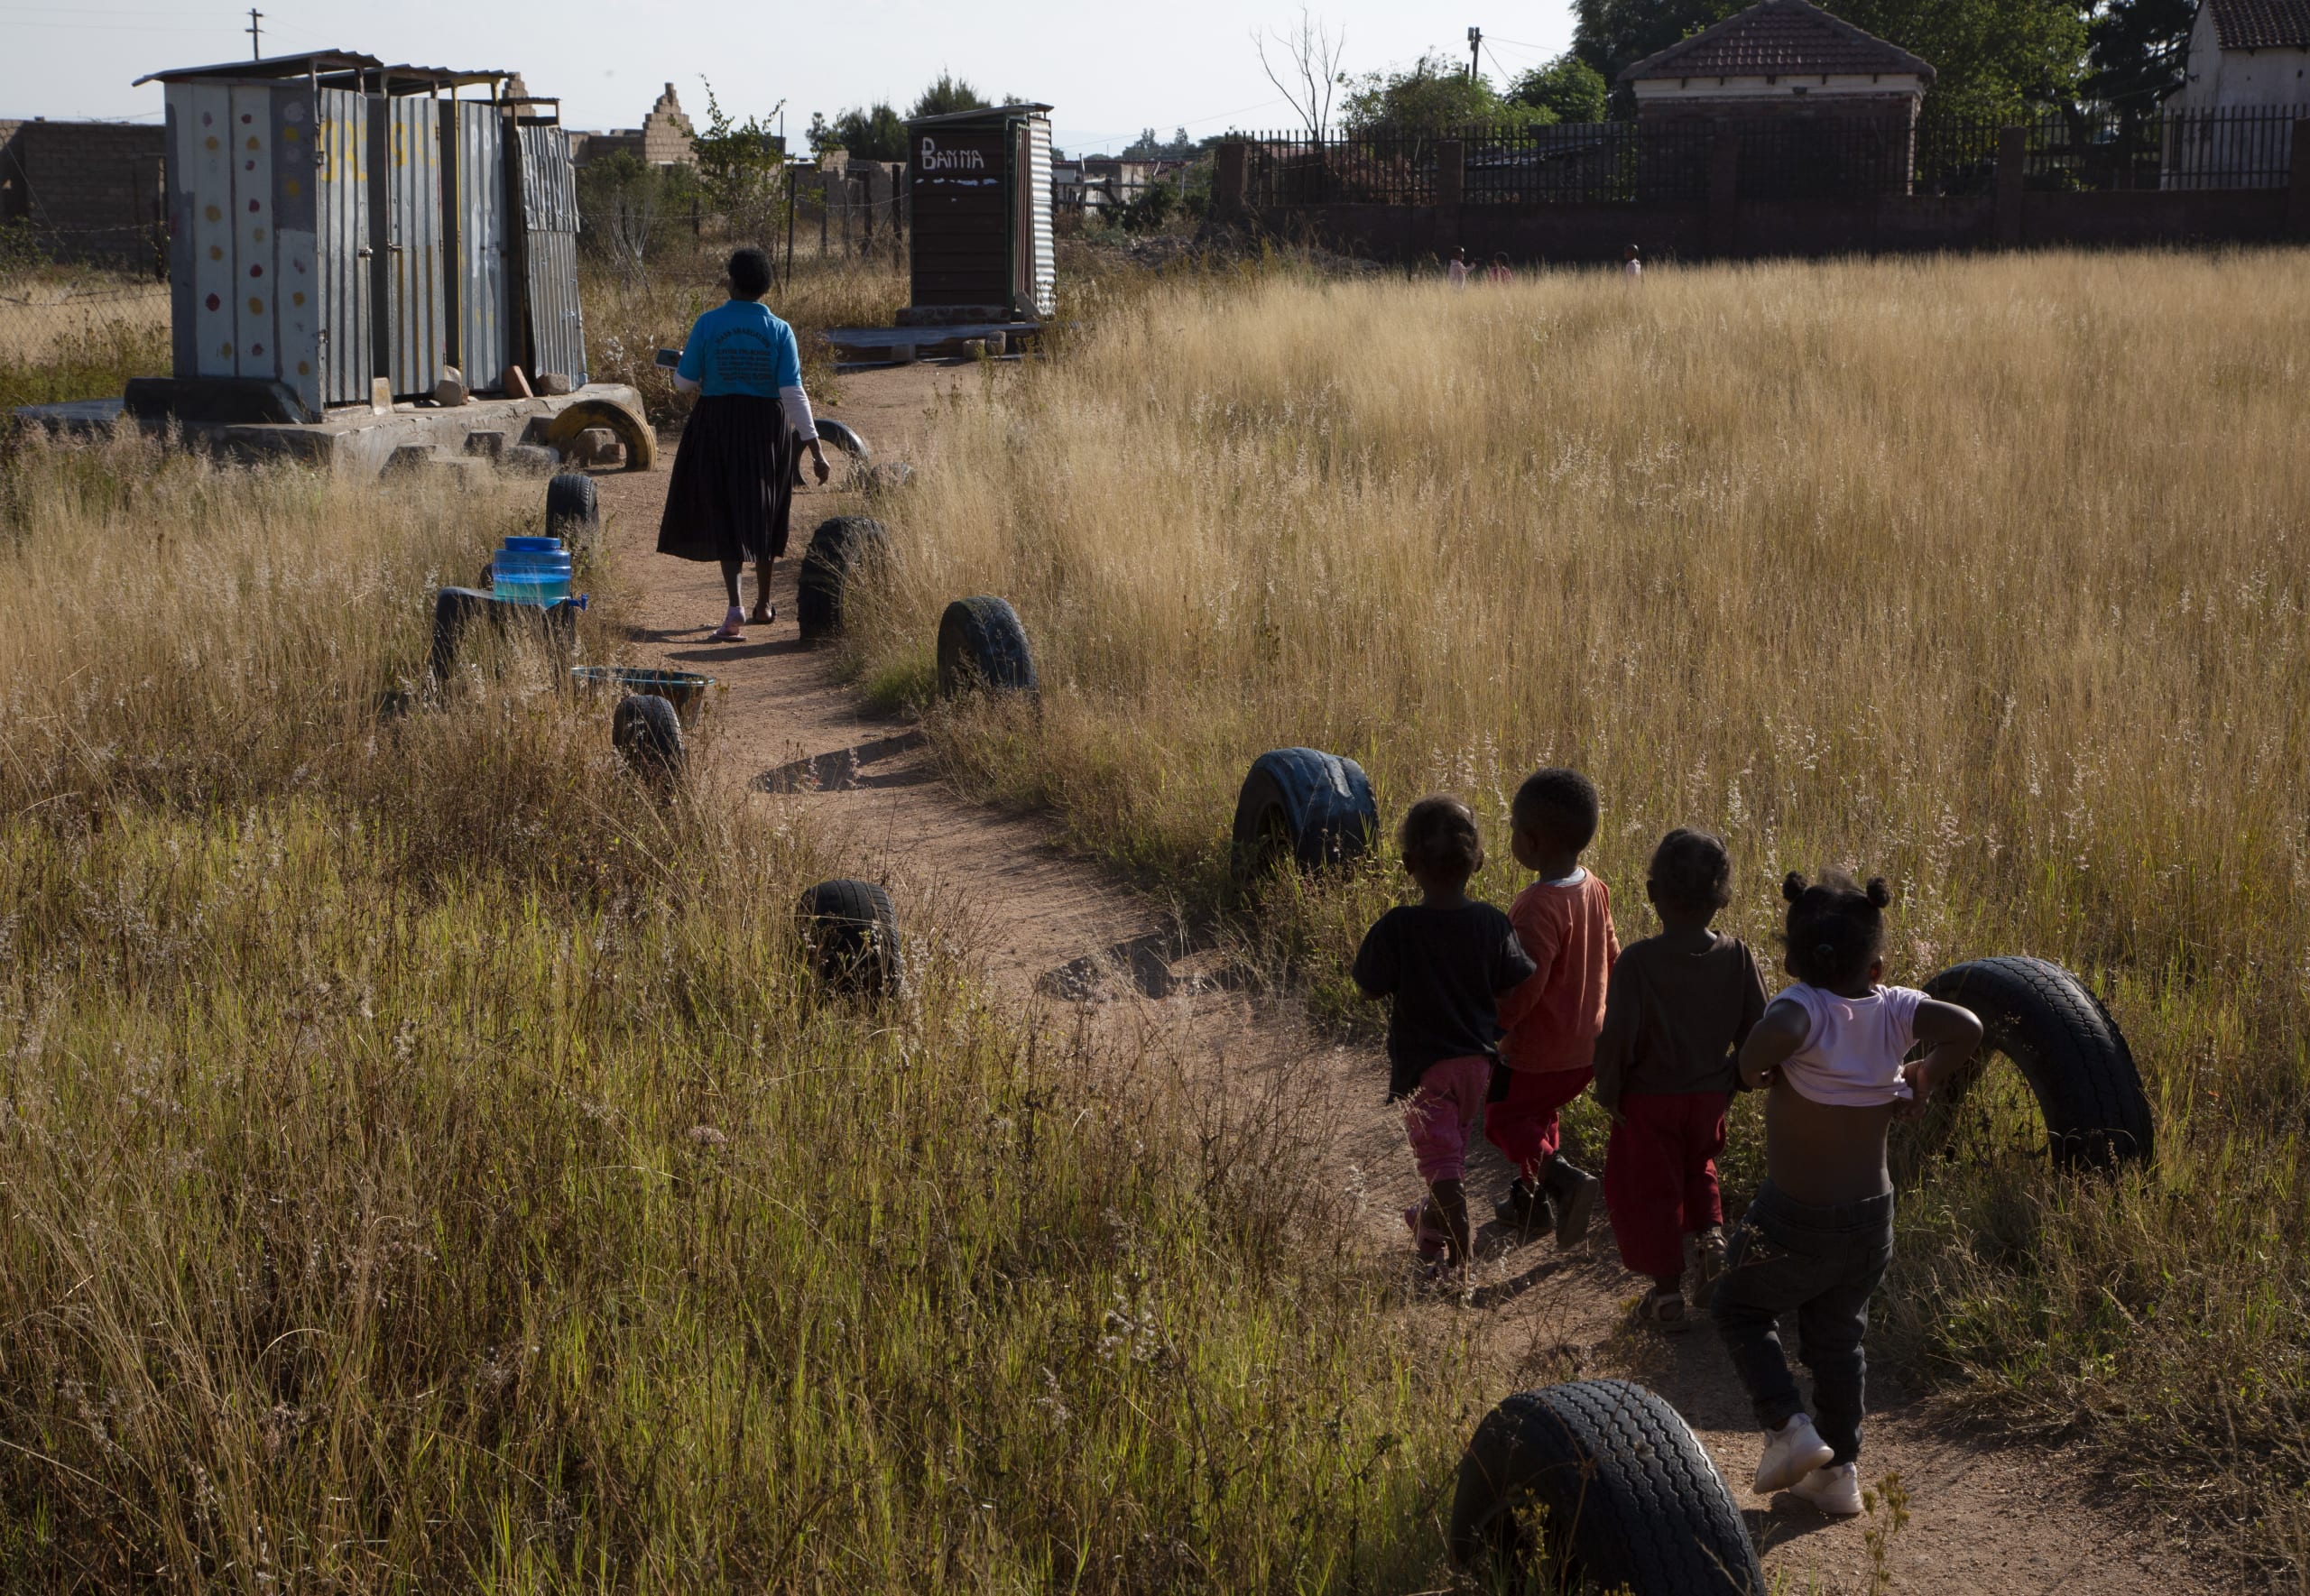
{"type": "Point", "coordinates": [1585, 163]}
{"type": "Point", "coordinates": [42, 323]}
{"type": "Point", "coordinates": [1821, 157]}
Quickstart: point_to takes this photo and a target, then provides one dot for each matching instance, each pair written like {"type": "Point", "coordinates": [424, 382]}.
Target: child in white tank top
{"type": "Point", "coordinates": [1854, 1046]}
{"type": "Point", "coordinates": [1833, 1047]}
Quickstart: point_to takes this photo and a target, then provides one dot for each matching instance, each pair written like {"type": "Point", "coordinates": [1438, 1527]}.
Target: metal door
{"type": "Point", "coordinates": [473, 201]}
{"type": "Point", "coordinates": [405, 209]}
{"type": "Point", "coordinates": [342, 251]}
{"type": "Point", "coordinates": [549, 200]}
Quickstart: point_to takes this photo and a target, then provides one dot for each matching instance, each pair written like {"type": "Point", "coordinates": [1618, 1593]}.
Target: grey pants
{"type": "Point", "coordinates": [1823, 1262]}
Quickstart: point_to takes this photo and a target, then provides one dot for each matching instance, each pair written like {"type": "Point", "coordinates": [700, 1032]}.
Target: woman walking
{"type": "Point", "coordinates": [733, 489]}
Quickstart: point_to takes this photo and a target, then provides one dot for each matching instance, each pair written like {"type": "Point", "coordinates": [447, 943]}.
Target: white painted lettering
{"type": "Point", "coordinates": [935, 159]}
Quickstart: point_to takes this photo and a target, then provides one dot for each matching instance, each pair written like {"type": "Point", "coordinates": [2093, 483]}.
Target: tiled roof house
{"type": "Point", "coordinates": [2247, 52]}
{"type": "Point", "coordinates": [1780, 55]}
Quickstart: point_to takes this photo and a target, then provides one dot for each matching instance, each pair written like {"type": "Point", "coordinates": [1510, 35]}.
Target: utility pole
{"type": "Point", "coordinates": [1475, 47]}
{"type": "Point", "coordinates": [255, 52]}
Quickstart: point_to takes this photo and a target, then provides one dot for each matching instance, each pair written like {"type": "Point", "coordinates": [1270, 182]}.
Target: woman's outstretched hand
{"type": "Point", "coordinates": [819, 462]}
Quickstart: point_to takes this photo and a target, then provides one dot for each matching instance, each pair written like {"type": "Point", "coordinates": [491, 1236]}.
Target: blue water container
{"type": "Point", "coordinates": [530, 571]}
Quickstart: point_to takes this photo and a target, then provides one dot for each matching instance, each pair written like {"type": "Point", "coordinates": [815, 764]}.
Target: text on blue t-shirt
{"type": "Point", "coordinates": [740, 348]}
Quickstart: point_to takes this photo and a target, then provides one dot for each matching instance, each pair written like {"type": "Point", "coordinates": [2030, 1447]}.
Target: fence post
{"type": "Point", "coordinates": [2297, 174]}
{"type": "Point", "coordinates": [2012, 164]}
{"type": "Point", "coordinates": [1724, 190]}
{"type": "Point", "coordinates": [1227, 181]}
{"type": "Point", "coordinates": [1451, 189]}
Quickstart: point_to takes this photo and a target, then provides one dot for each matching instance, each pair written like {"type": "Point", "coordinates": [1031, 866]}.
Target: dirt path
{"type": "Point", "coordinates": [1060, 931]}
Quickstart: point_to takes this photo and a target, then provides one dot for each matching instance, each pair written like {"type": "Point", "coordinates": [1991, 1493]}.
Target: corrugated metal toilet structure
{"type": "Point", "coordinates": [334, 221]}
{"type": "Point", "coordinates": [980, 204]}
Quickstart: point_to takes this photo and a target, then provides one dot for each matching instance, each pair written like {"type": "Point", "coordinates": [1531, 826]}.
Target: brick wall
{"type": "Point", "coordinates": [92, 190]}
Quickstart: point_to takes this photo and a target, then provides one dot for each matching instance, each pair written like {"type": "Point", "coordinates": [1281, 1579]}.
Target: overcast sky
{"type": "Point", "coordinates": [1109, 69]}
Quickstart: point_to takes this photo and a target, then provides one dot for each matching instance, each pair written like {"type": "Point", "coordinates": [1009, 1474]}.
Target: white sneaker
{"type": "Point", "coordinates": [1833, 1488]}
{"type": "Point", "coordinates": [1792, 1452]}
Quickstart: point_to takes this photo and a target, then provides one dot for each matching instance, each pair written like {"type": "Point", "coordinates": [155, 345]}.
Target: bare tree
{"type": "Point", "coordinates": [1310, 72]}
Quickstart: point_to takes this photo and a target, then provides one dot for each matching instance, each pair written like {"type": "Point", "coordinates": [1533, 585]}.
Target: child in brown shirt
{"type": "Point", "coordinates": [1677, 1010]}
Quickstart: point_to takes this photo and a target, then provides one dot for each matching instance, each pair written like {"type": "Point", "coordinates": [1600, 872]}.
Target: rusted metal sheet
{"type": "Point", "coordinates": [341, 255]}
{"type": "Point", "coordinates": [473, 197]}
{"type": "Point", "coordinates": [549, 204]}
{"type": "Point", "coordinates": [405, 195]}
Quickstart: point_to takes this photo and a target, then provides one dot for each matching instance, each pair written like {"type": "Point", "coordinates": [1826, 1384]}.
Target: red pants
{"type": "Point", "coordinates": [1660, 1176]}
{"type": "Point", "coordinates": [1523, 1126]}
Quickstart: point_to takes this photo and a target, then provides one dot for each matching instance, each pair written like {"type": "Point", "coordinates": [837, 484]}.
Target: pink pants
{"type": "Point", "coordinates": [1660, 1176]}
{"type": "Point", "coordinates": [1440, 1118]}
{"type": "Point", "coordinates": [1523, 1126]}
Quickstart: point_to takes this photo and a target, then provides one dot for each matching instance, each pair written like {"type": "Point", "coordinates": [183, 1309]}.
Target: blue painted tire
{"type": "Point", "coordinates": [982, 645]}
{"type": "Point", "coordinates": [1302, 805]}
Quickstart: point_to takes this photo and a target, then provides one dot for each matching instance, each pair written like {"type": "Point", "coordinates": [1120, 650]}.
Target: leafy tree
{"type": "Point", "coordinates": [1147, 146]}
{"type": "Point", "coordinates": [1435, 92]}
{"type": "Point", "coordinates": [1990, 57]}
{"type": "Point", "coordinates": [875, 133]}
{"type": "Point", "coordinates": [740, 168]}
{"type": "Point", "coordinates": [949, 95]}
{"type": "Point", "coordinates": [619, 202]}
{"type": "Point", "coordinates": [1567, 87]}
{"type": "Point", "coordinates": [1151, 209]}
{"type": "Point", "coordinates": [1611, 35]}
{"type": "Point", "coordinates": [2135, 51]}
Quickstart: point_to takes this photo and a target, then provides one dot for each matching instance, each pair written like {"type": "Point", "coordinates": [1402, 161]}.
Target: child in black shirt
{"type": "Point", "coordinates": [1443, 960]}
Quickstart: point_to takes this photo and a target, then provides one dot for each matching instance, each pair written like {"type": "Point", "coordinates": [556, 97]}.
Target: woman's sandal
{"type": "Point", "coordinates": [763, 616]}
{"type": "Point", "coordinates": [1664, 1308]}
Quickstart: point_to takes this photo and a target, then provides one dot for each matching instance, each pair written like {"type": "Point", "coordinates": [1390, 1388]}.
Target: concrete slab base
{"type": "Point", "coordinates": [355, 440]}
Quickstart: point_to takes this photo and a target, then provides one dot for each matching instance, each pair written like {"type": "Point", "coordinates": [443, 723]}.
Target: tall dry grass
{"type": "Point", "coordinates": [1985, 574]}
{"type": "Point", "coordinates": [429, 1165]}
{"type": "Point", "coordinates": [71, 333]}
{"type": "Point", "coordinates": [630, 316]}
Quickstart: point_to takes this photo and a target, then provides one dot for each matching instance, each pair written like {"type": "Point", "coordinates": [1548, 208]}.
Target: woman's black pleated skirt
{"type": "Point", "coordinates": [733, 491]}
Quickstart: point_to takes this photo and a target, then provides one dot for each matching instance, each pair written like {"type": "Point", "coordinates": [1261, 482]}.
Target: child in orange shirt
{"type": "Point", "coordinates": [1565, 921]}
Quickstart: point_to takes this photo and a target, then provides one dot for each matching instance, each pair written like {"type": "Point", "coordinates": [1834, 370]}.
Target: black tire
{"type": "Point", "coordinates": [573, 512]}
{"type": "Point", "coordinates": [1300, 803]}
{"type": "Point", "coordinates": [648, 732]}
{"type": "Point", "coordinates": [853, 936]}
{"type": "Point", "coordinates": [981, 644]}
{"type": "Point", "coordinates": [2067, 1048]}
{"type": "Point", "coordinates": [845, 438]}
{"type": "Point", "coordinates": [1628, 1498]}
{"type": "Point", "coordinates": [839, 550]}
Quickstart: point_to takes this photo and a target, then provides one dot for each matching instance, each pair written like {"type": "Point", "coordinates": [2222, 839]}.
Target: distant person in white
{"type": "Point", "coordinates": [1456, 268]}
{"type": "Point", "coordinates": [1631, 264]}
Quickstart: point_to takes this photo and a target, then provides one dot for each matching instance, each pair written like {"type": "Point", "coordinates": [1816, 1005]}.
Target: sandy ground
{"type": "Point", "coordinates": [1060, 931]}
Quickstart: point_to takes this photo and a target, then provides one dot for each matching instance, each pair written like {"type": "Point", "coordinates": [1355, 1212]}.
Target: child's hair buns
{"type": "Point", "coordinates": [1836, 926]}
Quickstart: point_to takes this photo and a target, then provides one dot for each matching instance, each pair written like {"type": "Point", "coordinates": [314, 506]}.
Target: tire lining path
{"type": "Point", "coordinates": [1060, 932]}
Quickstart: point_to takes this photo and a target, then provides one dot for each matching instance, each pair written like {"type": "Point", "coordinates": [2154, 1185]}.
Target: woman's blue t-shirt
{"type": "Point", "coordinates": [741, 347]}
